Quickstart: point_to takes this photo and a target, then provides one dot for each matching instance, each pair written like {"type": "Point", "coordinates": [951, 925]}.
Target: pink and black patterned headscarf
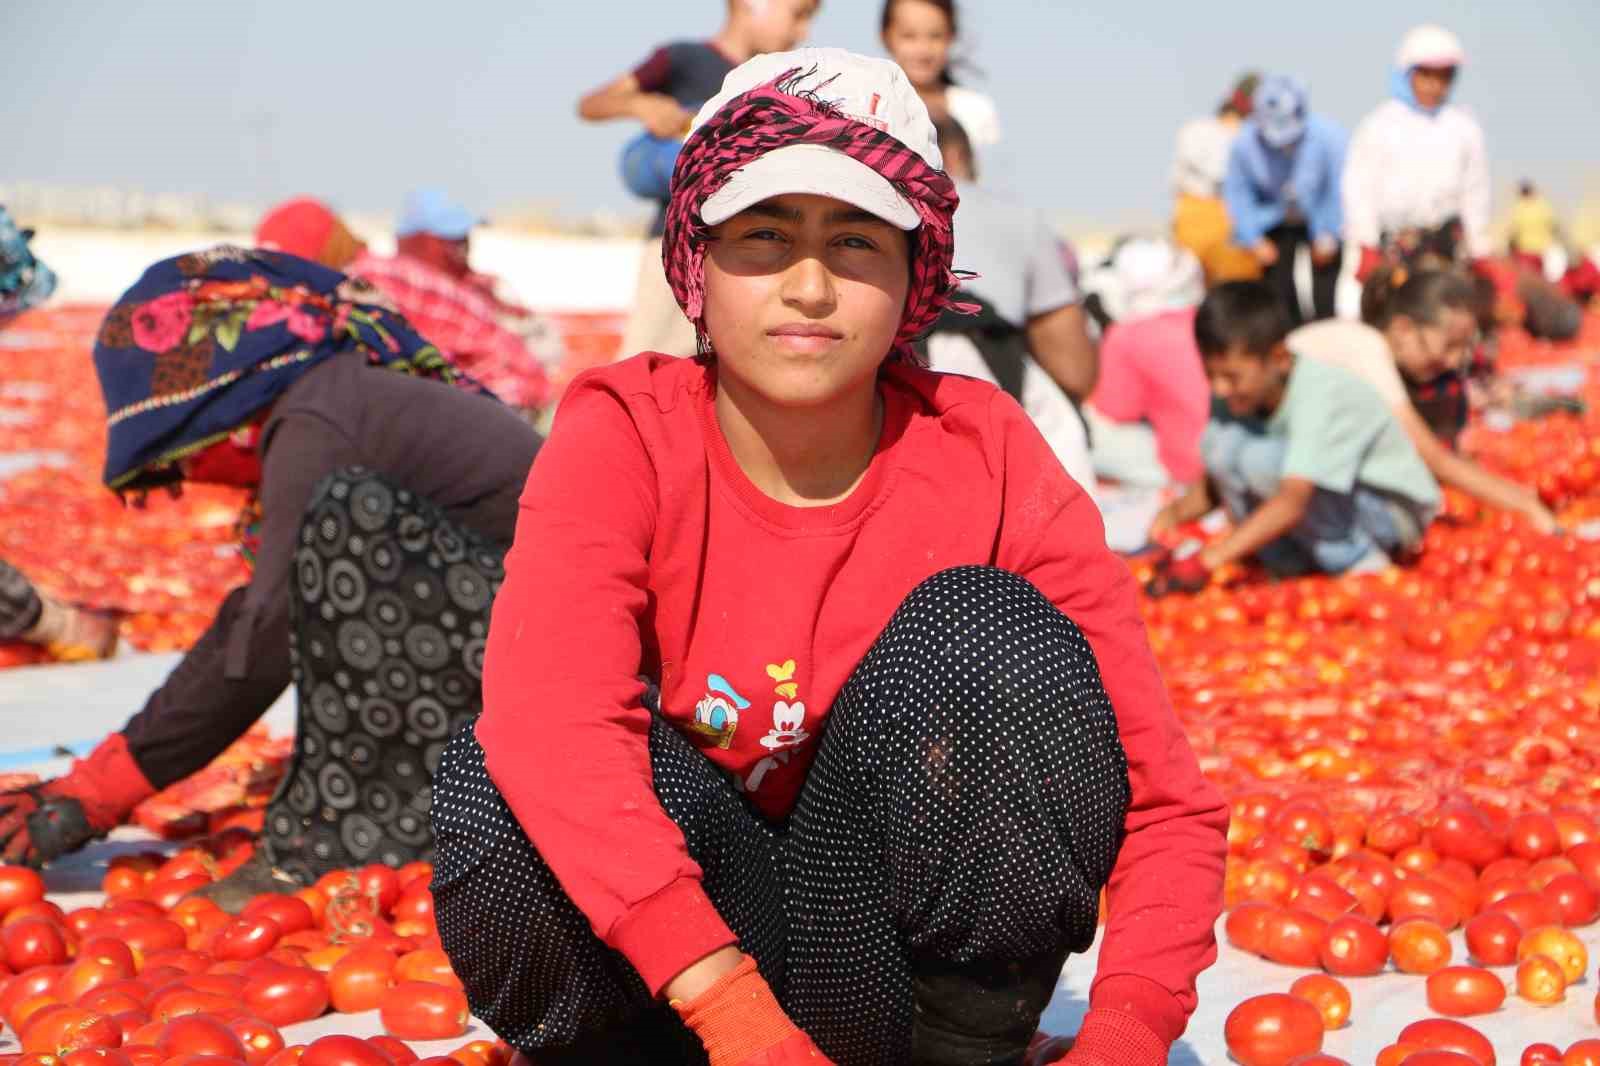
{"type": "Point", "coordinates": [775, 116]}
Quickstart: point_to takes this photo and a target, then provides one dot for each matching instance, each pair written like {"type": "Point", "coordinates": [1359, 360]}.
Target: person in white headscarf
{"type": "Point", "coordinates": [1416, 180]}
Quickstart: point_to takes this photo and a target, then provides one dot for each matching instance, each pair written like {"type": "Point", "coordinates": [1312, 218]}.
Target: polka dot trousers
{"type": "Point", "coordinates": [944, 858]}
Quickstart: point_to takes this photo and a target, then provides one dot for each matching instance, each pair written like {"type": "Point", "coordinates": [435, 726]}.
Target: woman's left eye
{"type": "Point", "coordinates": [858, 243]}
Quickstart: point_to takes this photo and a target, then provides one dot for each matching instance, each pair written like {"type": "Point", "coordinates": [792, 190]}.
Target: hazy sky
{"type": "Point", "coordinates": [358, 101]}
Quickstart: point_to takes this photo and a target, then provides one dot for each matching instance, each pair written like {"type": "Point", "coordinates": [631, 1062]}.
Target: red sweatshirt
{"type": "Point", "coordinates": [643, 549]}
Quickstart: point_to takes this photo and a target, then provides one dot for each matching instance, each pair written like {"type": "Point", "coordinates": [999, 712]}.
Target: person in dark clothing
{"type": "Point", "coordinates": [662, 94]}
{"type": "Point", "coordinates": [381, 504]}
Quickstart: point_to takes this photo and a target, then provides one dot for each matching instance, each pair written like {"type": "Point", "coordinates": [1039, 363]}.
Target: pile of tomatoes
{"type": "Point", "coordinates": [155, 976]}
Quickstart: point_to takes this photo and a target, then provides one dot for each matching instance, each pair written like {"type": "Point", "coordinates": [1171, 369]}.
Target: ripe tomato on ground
{"type": "Point", "coordinates": [1419, 946]}
{"type": "Point", "coordinates": [1328, 995]}
{"type": "Point", "coordinates": [423, 1010]}
{"type": "Point", "coordinates": [1448, 1035]}
{"type": "Point", "coordinates": [1273, 1030]}
{"type": "Point", "coordinates": [1464, 990]}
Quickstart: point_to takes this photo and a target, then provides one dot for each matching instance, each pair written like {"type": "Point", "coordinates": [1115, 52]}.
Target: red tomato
{"type": "Point", "coordinates": [343, 1051]}
{"type": "Point", "coordinates": [1245, 926]}
{"type": "Point", "coordinates": [1392, 832]}
{"type": "Point", "coordinates": [422, 1010]}
{"type": "Point", "coordinates": [86, 975]}
{"type": "Point", "coordinates": [19, 885]}
{"type": "Point", "coordinates": [287, 994]}
{"type": "Point", "coordinates": [1320, 895]}
{"type": "Point", "coordinates": [194, 1035]}
{"type": "Point", "coordinates": [415, 904]}
{"type": "Point", "coordinates": [1425, 897]}
{"type": "Point", "coordinates": [1528, 909]}
{"type": "Point", "coordinates": [261, 1039]}
{"type": "Point", "coordinates": [1447, 1035]}
{"type": "Point", "coordinates": [290, 914]}
{"type": "Point", "coordinates": [1492, 938]}
{"type": "Point", "coordinates": [1574, 898]}
{"type": "Point", "coordinates": [1273, 1030]}
{"type": "Point", "coordinates": [1464, 990]}
{"type": "Point", "coordinates": [1419, 946]}
{"type": "Point", "coordinates": [110, 950]}
{"type": "Point", "coordinates": [1559, 946]}
{"type": "Point", "coordinates": [430, 964]}
{"type": "Point", "coordinates": [380, 884]}
{"type": "Point", "coordinates": [246, 938]}
{"type": "Point", "coordinates": [289, 1056]}
{"type": "Point", "coordinates": [1540, 980]}
{"type": "Point", "coordinates": [98, 1056]}
{"type": "Point", "coordinates": [1540, 1055]}
{"type": "Point", "coordinates": [149, 935]}
{"type": "Point", "coordinates": [59, 1030]}
{"type": "Point", "coordinates": [1583, 1053]}
{"type": "Point", "coordinates": [25, 986]}
{"type": "Point", "coordinates": [180, 1001]}
{"type": "Point", "coordinates": [1439, 1058]}
{"type": "Point", "coordinates": [1533, 836]}
{"type": "Point", "coordinates": [1328, 995]}
{"type": "Point", "coordinates": [359, 980]}
{"type": "Point", "coordinates": [1461, 831]}
{"type": "Point", "coordinates": [397, 1050]}
{"type": "Point", "coordinates": [1292, 937]}
{"type": "Point", "coordinates": [1353, 947]}
{"type": "Point", "coordinates": [33, 942]}
{"type": "Point", "coordinates": [41, 909]}
{"type": "Point", "coordinates": [419, 872]}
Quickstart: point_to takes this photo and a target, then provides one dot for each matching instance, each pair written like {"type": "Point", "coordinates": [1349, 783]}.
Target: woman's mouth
{"type": "Point", "coordinates": [805, 336]}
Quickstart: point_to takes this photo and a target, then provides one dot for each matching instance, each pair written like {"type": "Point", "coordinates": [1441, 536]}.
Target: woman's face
{"type": "Point", "coordinates": [1430, 85]}
{"type": "Point", "coordinates": [804, 295]}
{"type": "Point", "coordinates": [919, 39]}
{"type": "Point", "coordinates": [1424, 350]}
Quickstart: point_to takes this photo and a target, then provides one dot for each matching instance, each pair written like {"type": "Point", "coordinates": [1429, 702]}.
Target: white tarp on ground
{"type": "Point", "coordinates": [48, 706]}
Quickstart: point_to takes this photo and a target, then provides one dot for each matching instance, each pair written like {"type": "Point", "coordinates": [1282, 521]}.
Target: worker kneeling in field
{"type": "Point", "coordinates": [383, 488]}
{"type": "Point", "coordinates": [817, 712]}
{"type": "Point", "coordinates": [1313, 466]}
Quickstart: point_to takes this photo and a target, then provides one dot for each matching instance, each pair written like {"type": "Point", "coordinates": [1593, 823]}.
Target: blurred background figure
{"type": "Point", "coordinates": [1200, 220]}
{"type": "Point", "coordinates": [1534, 228]}
{"type": "Point", "coordinates": [24, 281]}
{"type": "Point", "coordinates": [1030, 335]}
{"type": "Point", "coordinates": [1416, 181]}
{"type": "Point", "coordinates": [1149, 408]}
{"type": "Point", "coordinates": [662, 94]}
{"type": "Point", "coordinates": [1282, 191]}
{"type": "Point", "coordinates": [921, 35]}
{"type": "Point", "coordinates": [431, 282]}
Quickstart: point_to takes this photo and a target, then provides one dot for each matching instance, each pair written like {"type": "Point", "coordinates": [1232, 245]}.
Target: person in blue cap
{"type": "Point", "coordinates": [1282, 189]}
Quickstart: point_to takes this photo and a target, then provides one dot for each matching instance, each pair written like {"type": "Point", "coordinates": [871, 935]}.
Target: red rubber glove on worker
{"type": "Point", "coordinates": [1371, 259]}
{"type": "Point", "coordinates": [1106, 1038]}
{"type": "Point", "coordinates": [44, 821]}
{"type": "Point", "coordinates": [1181, 570]}
{"type": "Point", "coordinates": [740, 1023]}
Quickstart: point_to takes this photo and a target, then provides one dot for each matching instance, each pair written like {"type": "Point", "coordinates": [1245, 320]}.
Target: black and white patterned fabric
{"type": "Point", "coordinates": [388, 625]}
{"type": "Point", "coordinates": [20, 605]}
{"type": "Point", "coordinates": [964, 810]}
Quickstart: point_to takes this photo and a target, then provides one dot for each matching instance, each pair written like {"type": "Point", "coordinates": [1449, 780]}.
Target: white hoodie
{"type": "Point", "coordinates": [1409, 169]}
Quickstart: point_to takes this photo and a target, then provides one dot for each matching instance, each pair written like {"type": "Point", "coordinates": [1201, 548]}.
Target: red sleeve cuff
{"type": "Point", "coordinates": [1145, 1000]}
{"type": "Point", "coordinates": [663, 934]}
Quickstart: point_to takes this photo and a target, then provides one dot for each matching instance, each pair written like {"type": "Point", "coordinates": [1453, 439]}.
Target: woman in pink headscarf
{"type": "Point", "coordinates": [817, 712]}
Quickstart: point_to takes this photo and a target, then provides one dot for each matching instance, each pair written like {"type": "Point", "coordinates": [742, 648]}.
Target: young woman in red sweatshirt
{"type": "Point", "coordinates": [817, 712]}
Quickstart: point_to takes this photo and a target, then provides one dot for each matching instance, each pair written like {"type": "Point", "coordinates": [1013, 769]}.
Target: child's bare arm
{"type": "Point", "coordinates": [1189, 507]}
{"type": "Point", "coordinates": [1264, 525]}
{"type": "Point", "coordinates": [623, 98]}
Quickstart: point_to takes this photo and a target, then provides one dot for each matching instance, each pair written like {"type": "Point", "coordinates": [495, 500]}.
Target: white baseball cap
{"type": "Point", "coordinates": [1429, 46]}
{"type": "Point", "coordinates": [874, 91]}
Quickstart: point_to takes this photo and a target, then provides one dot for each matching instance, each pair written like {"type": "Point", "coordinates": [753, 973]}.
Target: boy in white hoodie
{"type": "Point", "coordinates": [1417, 174]}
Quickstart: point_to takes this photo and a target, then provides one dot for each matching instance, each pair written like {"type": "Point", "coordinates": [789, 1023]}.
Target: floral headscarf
{"type": "Point", "coordinates": [24, 281]}
{"type": "Point", "coordinates": [773, 116]}
{"type": "Point", "coordinates": [205, 342]}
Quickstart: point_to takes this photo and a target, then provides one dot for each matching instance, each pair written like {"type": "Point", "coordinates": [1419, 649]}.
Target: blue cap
{"type": "Point", "coordinates": [1280, 110]}
{"type": "Point", "coordinates": [432, 211]}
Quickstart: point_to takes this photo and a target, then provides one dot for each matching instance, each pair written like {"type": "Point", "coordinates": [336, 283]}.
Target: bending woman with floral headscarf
{"type": "Point", "coordinates": [382, 502]}
{"type": "Point", "coordinates": [817, 713]}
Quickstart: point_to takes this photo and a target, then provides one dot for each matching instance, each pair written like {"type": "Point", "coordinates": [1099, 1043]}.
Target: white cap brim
{"type": "Point", "coordinates": [813, 169]}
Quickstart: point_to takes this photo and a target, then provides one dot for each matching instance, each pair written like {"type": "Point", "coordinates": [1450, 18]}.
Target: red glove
{"type": "Point", "coordinates": [1112, 1038]}
{"type": "Point", "coordinates": [42, 822]}
{"type": "Point", "coordinates": [1371, 259]}
{"type": "Point", "coordinates": [1180, 571]}
{"type": "Point", "coordinates": [740, 1023]}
